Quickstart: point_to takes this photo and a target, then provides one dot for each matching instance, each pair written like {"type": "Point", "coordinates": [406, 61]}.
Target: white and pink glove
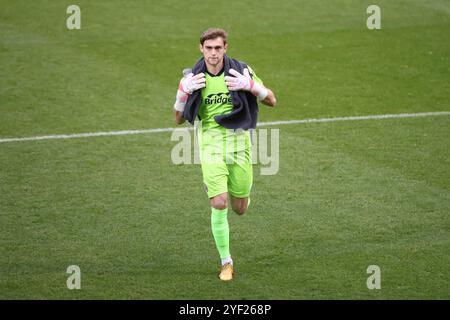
{"type": "Point", "coordinates": [188, 84]}
{"type": "Point", "coordinates": [246, 83]}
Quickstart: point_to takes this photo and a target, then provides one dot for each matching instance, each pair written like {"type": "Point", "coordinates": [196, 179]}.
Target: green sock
{"type": "Point", "coordinates": [221, 231]}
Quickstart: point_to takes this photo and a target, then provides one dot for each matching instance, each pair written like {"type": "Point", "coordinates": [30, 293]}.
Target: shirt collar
{"type": "Point", "coordinates": [216, 75]}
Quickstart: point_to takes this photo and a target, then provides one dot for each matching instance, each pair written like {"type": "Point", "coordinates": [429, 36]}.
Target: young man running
{"type": "Point", "coordinates": [223, 93]}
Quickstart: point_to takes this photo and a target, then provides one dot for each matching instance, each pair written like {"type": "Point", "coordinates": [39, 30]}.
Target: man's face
{"type": "Point", "coordinates": [213, 51]}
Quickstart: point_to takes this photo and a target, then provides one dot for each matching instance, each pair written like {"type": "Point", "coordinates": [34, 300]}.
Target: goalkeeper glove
{"type": "Point", "coordinates": [246, 83]}
{"type": "Point", "coordinates": [188, 84]}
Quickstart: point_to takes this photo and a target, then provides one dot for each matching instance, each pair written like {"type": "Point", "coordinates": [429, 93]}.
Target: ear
{"type": "Point", "coordinates": [200, 47]}
{"type": "Point", "coordinates": [225, 47]}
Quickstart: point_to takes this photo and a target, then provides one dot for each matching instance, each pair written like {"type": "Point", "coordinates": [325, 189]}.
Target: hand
{"type": "Point", "coordinates": [246, 83]}
{"type": "Point", "coordinates": [188, 84]}
{"type": "Point", "coordinates": [191, 83]}
{"type": "Point", "coordinates": [239, 81]}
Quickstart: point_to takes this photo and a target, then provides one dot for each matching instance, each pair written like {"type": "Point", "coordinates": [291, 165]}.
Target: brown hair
{"type": "Point", "coordinates": [213, 33]}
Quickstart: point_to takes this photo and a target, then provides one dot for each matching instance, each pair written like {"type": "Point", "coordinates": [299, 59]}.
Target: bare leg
{"type": "Point", "coordinates": [239, 205]}
{"type": "Point", "coordinates": [220, 201]}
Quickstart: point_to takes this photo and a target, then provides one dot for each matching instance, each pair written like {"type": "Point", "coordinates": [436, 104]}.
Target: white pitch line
{"type": "Point", "coordinates": [373, 117]}
{"type": "Point", "coordinates": [86, 135]}
{"type": "Point", "coordinates": [261, 124]}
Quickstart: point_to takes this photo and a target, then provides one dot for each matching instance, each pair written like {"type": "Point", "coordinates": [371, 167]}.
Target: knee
{"type": "Point", "coordinates": [241, 208]}
{"type": "Point", "coordinates": [219, 202]}
{"type": "Point", "coordinates": [240, 211]}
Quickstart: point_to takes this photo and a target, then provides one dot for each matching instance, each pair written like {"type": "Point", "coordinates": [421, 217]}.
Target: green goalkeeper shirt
{"type": "Point", "coordinates": [216, 100]}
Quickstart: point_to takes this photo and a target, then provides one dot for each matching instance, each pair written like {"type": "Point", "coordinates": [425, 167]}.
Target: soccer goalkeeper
{"type": "Point", "coordinates": [223, 93]}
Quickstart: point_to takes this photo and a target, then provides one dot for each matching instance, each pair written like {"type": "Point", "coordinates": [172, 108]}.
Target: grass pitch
{"type": "Point", "coordinates": [347, 194]}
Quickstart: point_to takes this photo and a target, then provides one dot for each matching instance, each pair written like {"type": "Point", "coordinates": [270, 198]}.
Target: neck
{"type": "Point", "coordinates": [214, 69]}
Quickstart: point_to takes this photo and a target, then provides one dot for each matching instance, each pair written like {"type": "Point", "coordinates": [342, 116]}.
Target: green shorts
{"type": "Point", "coordinates": [226, 161]}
